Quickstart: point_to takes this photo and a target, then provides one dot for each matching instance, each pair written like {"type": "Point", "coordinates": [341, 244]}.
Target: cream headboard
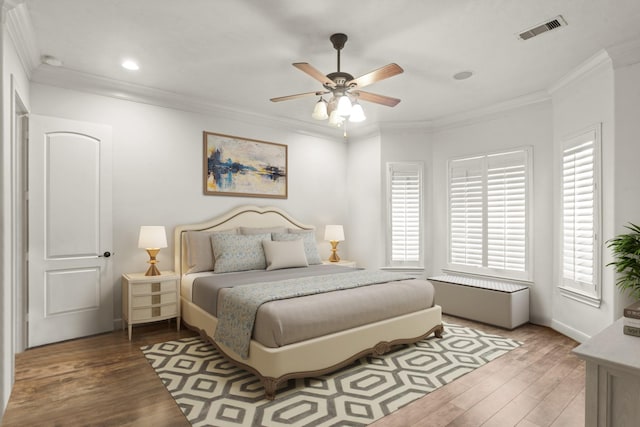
{"type": "Point", "coordinates": [244, 216]}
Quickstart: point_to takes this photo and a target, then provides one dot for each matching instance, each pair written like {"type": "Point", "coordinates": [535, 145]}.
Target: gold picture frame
{"type": "Point", "coordinates": [236, 166]}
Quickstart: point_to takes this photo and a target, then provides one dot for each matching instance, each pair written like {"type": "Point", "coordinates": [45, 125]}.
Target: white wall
{"type": "Point", "coordinates": [409, 145]}
{"type": "Point", "coordinates": [364, 229]}
{"type": "Point", "coordinates": [582, 100]}
{"type": "Point", "coordinates": [627, 153]}
{"type": "Point", "coordinates": [157, 164]}
{"type": "Point", "coordinates": [524, 126]}
{"type": "Point", "coordinates": [14, 83]}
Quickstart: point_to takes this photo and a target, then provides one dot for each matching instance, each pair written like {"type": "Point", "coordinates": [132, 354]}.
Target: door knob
{"type": "Point", "coordinates": [106, 254]}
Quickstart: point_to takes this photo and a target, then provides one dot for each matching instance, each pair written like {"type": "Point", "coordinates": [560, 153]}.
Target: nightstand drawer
{"type": "Point", "coordinates": [147, 288]}
{"type": "Point", "coordinates": [151, 312]}
{"type": "Point", "coordinates": [153, 299]}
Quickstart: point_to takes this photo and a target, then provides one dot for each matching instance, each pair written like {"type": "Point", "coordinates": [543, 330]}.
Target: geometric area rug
{"type": "Point", "coordinates": [213, 392]}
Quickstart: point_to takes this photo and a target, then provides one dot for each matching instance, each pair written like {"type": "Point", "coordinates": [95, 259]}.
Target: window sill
{"type": "Point", "coordinates": [576, 295]}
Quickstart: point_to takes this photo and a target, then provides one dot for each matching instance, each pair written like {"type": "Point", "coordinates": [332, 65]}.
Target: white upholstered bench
{"type": "Point", "coordinates": [488, 301]}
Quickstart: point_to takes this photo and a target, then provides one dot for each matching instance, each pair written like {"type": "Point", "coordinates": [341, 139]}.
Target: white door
{"type": "Point", "coordinates": [70, 274]}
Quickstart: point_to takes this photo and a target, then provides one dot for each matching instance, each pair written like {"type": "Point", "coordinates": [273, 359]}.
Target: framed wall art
{"type": "Point", "coordinates": [235, 166]}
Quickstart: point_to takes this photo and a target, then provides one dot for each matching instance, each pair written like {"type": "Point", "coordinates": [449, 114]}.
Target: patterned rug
{"type": "Point", "coordinates": [213, 392]}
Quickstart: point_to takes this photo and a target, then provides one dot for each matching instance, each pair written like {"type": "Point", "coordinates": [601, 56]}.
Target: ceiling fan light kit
{"type": "Point", "coordinates": [344, 89]}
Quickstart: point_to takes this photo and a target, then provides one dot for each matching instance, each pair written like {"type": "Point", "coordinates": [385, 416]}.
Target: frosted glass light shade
{"type": "Point", "coordinates": [335, 119]}
{"type": "Point", "coordinates": [357, 113]}
{"type": "Point", "coordinates": [152, 237]}
{"type": "Point", "coordinates": [320, 110]}
{"type": "Point", "coordinates": [344, 106]}
{"type": "Point", "coordinates": [334, 233]}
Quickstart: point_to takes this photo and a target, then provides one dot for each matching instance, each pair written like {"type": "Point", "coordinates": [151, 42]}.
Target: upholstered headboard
{"type": "Point", "coordinates": [244, 216]}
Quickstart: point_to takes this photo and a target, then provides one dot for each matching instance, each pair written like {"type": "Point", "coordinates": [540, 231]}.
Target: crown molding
{"type": "Point", "coordinates": [7, 5]}
{"type": "Point", "coordinates": [623, 54]}
{"type": "Point", "coordinates": [21, 32]}
{"type": "Point", "coordinates": [99, 85]}
{"type": "Point", "coordinates": [592, 64]}
{"type": "Point", "coordinates": [480, 114]}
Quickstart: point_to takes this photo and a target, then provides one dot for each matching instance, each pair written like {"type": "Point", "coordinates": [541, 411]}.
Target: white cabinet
{"type": "Point", "coordinates": [612, 378]}
{"type": "Point", "coordinates": [150, 298]}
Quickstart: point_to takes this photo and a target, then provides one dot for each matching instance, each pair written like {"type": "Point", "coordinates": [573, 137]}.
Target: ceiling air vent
{"type": "Point", "coordinates": [552, 24]}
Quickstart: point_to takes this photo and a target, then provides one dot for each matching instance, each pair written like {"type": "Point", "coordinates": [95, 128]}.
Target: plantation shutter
{"type": "Point", "coordinates": [488, 214]}
{"type": "Point", "coordinates": [506, 211]}
{"type": "Point", "coordinates": [578, 213]}
{"type": "Point", "coordinates": [405, 213]}
{"type": "Point", "coordinates": [466, 193]}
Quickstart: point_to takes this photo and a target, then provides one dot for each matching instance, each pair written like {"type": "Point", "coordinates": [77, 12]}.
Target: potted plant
{"type": "Point", "coordinates": [626, 251]}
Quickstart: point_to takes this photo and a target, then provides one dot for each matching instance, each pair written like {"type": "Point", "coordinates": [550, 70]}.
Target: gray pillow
{"type": "Point", "coordinates": [199, 253]}
{"type": "Point", "coordinates": [236, 252]}
{"type": "Point", "coordinates": [262, 230]}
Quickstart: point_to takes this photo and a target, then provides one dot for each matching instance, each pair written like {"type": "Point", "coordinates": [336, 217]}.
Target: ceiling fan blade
{"type": "Point", "coordinates": [298, 95]}
{"type": "Point", "coordinates": [381, 73]}
{"type": "Point", "coordinates": [313, 72]}
{"type": "Point", "coordinates": [378, 99]}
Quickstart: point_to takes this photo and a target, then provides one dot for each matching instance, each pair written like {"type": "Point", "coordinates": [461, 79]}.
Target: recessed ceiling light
{"type": "Point", "coordinates": [130, 65]}
{"type": "Point", "coordinates": [462, 75]}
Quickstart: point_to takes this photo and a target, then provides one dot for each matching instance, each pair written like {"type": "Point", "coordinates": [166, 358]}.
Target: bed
{"type": "Point", "coordinates": [405, 312]}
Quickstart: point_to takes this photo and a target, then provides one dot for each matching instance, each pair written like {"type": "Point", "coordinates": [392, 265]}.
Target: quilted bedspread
{"type": "Point", "coordinates": [237, 312]}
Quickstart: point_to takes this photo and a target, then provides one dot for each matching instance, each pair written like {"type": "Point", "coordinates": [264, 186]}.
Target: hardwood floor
{"type": "Point", "coordinates": [105, 380]}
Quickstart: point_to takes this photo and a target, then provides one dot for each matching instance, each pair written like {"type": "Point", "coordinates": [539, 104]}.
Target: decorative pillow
{"type": "Point", "coordinates": [308, 239]}
{"type": "Point", "coordinates": [235, 252]}
{"type": "Point", "coordinates": [199, 253]}
{"type": "Point", "coordinates": [262, 230]}
{"type": "Point", "coordinates": [284, 254]}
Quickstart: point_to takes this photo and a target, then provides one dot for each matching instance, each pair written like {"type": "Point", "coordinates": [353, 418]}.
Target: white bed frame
{"type": "Point", "coordinates": [308, 358]}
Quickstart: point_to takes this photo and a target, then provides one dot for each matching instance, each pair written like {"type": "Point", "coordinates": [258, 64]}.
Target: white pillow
{"type": "Point", "coordinates": [235, 252]}
{"type": "Point", "coordinates": [309, 240]}
{"type": "Point", "coordinates": [284, 254]}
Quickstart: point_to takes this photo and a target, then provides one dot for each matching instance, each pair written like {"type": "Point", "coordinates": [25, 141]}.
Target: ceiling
{"type": "Point", "coordinates": [237, 54]}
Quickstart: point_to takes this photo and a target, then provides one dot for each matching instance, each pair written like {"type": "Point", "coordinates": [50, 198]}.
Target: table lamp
{"type": "Point", "coordinates": [152, 238]}
{"type": "Point", "coordinates": [334, 234]}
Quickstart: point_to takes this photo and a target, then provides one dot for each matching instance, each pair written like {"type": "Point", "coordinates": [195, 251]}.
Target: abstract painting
{"type": "Point", "coordinates": [235, 166]}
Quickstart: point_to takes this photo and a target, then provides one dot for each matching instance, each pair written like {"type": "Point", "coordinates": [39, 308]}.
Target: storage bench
{"type": "Point", "coordinates": [488, 301]}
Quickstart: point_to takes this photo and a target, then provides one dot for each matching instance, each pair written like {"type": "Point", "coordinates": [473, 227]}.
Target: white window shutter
{"type": "Point", "coordinates": [488, 214]}
{"type": "Point", "coordinates": [405, 214]}
{"type": "Point", "coordinates": [578, 215]}
{"type": "Point", "coordinates": [506, 211]}
{"type": "Point", "coordinates": [466, 230]}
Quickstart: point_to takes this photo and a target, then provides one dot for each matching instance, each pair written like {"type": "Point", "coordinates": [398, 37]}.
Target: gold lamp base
{"type": "Point", "coordinates": [153, 270]}
{"type": "Point", "coordinates": [334, 251]}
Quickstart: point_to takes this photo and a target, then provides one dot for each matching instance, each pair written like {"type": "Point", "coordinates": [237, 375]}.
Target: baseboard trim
{"type": "Point", "coordinates": [569, 331]}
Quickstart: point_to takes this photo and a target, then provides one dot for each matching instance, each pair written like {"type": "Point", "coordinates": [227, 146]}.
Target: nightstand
{"type": "Point", "coordinates": [150, 298]}
{"type": "Point", "coordinates": [342, 262]}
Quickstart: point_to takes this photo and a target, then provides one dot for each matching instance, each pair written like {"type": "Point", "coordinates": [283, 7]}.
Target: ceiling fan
{"type": "Point", "coordinates": [345, 89]}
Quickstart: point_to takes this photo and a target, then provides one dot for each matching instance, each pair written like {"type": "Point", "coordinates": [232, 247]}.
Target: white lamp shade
{"type": "Point", "coordinates": [344, 106]}
{"type": "Point", "coordinates": [152, 237]}
{"type": "Point", "coordinates": [320, 110]}
{"type": "Point", "coordinates": [334, 233]}
{"type": "Point", "coordinates": [357, 113]}
{"type": "Point", "coordinates": [335, 119]}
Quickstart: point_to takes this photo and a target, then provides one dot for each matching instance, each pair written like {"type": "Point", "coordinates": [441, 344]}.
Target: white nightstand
{"type": "Point", "coordinates": [150, 298]}
{"type": "Point", "coordinates": [342, 262]}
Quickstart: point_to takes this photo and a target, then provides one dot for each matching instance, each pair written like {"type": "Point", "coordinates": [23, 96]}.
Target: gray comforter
{"type": "Point", "coordinates": [288, 321]}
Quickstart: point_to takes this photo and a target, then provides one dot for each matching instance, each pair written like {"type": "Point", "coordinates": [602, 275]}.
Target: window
{"type": "Point", "coordinates": [488, 214]}
{"type": "Point", "coordinates": [580, 224]}
{"type": "Point", "coordinates": [404, 213]}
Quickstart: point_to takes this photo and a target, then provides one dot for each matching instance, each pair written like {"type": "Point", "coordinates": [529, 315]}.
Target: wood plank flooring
{"type": "Point", "coordinates": [105, 380]}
